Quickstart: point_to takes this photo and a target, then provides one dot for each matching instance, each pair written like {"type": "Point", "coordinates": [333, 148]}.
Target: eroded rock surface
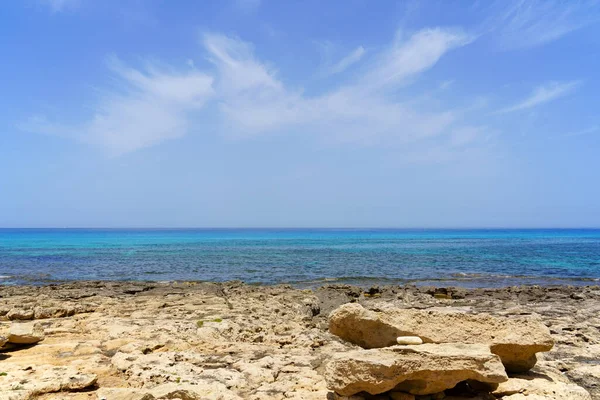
{"type": "Point", "coordinates": [416, 369]}
{"type": "Point", "coordinates": [238, 341]}
{"type": "Point", "coordinates": [25, 333]}
{"type": "Point", "coordinates": [29, 382]}
{"type": "Point", "coordinates": [515, 340]}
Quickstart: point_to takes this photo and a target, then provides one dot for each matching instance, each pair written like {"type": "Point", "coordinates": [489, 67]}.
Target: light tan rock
{"type": "Point", "coordinates": [123, 394]}
{"type": "Point", "coordinates": [25, 333]}
{"type": "Point", "coordinates": [409, 340]}
{"type": "Point", "coordinates": [27, 383]}
{"type": "Point", "coordinates": [201, 391]}
{"type": "Point", "coordinates": [542, 386]}
{"type": "Point", "coordinates": [421, 369]}
{"type": "Point", "coordinates": [515, 340]}
{"type": "Point", "coordinates": [3, 341]}
{"type": "Point", "coordinates": [20, 314]}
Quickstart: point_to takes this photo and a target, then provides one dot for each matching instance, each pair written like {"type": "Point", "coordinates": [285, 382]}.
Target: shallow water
{"type": "Point", "coordinates": [304, 257]}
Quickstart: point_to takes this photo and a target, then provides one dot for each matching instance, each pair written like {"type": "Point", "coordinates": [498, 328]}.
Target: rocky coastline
{"type": "Point", "coordinates": [199, 340]}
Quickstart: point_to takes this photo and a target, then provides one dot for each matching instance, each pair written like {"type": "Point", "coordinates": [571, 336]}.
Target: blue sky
{"type": "Point", "coordinates": [242, 113]}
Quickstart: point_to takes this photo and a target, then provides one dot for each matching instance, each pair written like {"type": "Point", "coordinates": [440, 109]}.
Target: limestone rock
{"type": "Point", "coordinates": [25, 333]}
{"type": "Point", "coordinates": [31, 382]}
{"type": "Point", "coordinates": [548, 383]}
{"type": "Point", "coordinates": [515, 340]}
{"type": "Point", "coordinates": [201, 391]}
{"type": "Point", "coordinates": [409, 340]}
{"type": "Point", "coordinates": [421, 369]}
{"type": "Point", "coordinates": [123, 394]}
{"type": "Point", "coordinates": [3, 341]}
{"type": "Point", "coordinates": [19, 314]}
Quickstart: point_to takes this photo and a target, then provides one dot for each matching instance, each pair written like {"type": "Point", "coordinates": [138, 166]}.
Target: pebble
{"type": "Point", "coordinates": [409, 340]}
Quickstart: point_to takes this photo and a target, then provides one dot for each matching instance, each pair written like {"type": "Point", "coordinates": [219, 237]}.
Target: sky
{"type": "Point", "coordinates": [267, 113]}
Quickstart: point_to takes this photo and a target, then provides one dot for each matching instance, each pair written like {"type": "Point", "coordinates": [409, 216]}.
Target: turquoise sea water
{"type": "Point", "coordinates": [303, 257]}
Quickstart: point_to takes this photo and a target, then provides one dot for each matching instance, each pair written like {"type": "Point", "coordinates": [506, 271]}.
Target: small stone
{"type": "Point", "coordinates": [3, 341]}
{"type": "Point", "coordinates": [25, 333]}
{"type": "Point", "coordinates": [409, 340]}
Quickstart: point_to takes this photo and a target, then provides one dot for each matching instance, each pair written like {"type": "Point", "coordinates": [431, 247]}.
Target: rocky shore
{"type": "Point", "coordinates": [191, 340]}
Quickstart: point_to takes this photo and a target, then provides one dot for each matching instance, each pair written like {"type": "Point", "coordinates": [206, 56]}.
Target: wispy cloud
{"type": "Point", "coordinates": [583, 132]}
{"type": "Point", "coordinates": [59, 5]}
{"type": "Point", "coordinates": [528, 23]}
{"type": "Point", "coordinates": [247, 5]}
{"type": "Point", "coordinates": [252, 99]}
{"type": "Point", "coordinates": [347, 61]}
{"type": "Point", "coordinates": [153, 106]}
{"type": "Point", "coordinates": [543, 94]}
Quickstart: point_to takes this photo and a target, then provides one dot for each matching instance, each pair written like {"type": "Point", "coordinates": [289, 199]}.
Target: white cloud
{"type": "Point", "coordinates": [59, 5]}
{"type": "Point", "coordinates": [347, 61]}
{"type": "Point", "coordinates": [153, 107]}
{"type": "Point", "coordinates": [542, 94]}
{"type": "Point", "coordinates": [407, 58]}
{"type": "Point", "coordinates": [252, 100]}
{"type": "Point", "coordinates": [528, 23]}
{"type": "Point", "coordinates": [583, 132]}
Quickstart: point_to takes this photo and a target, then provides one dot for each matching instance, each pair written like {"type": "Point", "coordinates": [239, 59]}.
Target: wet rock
{"type": "Point", "coordinates": [25, 333]}
{"type": "Point", "coordinates": [515, 340]}
{"type": "Point", "coordinates": [422, 369]}
{"type": "Point", "coordinates": [577, 296]}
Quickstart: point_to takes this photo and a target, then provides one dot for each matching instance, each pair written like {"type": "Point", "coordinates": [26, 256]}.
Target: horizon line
{"type": "Point", "coordinates": [307, 227]}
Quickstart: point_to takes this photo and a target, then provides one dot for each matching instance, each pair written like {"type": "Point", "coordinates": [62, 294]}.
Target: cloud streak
{"type": "Point", "coordinates": [153, 106]}
{"type": "Point", "coordinates": [528, 23]}
{"type": "Point", "coordinates": [347, 61]}
{"type": "Point", "coordinates": [159, 104]}
{"type": "Point", "coordinates": [541, 95]}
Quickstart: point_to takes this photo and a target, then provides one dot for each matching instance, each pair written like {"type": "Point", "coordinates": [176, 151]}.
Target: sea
{"type": "Point", "coordinates": [304, 257]}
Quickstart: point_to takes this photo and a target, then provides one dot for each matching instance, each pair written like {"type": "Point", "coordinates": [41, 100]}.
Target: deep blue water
{"type": "Point", "coordinates": [303, 257]}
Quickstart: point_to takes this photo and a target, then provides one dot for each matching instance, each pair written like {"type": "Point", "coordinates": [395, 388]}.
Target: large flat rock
{"type": "Point", "coordinates": [515, 340]}
{"type": "Point", "coordinates": [25, 333]}
{"type": "Point", "coordinates": [417, 369]}
{"type": "Point", "coordinates": [26, 383]}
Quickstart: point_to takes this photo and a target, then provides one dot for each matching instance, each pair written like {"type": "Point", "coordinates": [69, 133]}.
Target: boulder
{"type": "Point", "coordinates": [415, 369]}
{"type": "Point", "coordinates": [515, 340]}
{"type": "Point", "coordinates": [19, 314]}
{"type": "Point", "coordinates": [25, 333]}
